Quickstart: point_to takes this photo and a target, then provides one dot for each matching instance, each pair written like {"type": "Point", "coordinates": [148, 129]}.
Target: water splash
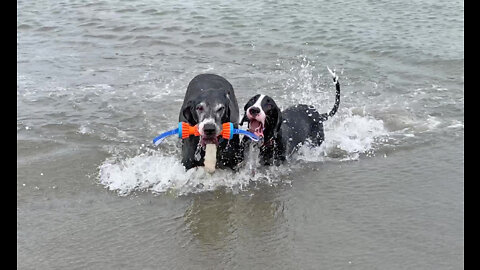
{"type": "Point", "coordinates": [159, 173]}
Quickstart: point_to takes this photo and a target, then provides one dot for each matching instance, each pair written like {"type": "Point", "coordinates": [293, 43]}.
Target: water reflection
{"type": "Point", "coordinates": [215, 218]}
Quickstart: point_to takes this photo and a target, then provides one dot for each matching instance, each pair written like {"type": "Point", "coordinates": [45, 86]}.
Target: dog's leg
{"type": "Point", "coordinates": [230, 153]}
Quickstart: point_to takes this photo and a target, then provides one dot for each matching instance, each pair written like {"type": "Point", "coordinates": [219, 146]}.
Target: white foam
{"type": "Point", "coordinates": [455, 124]}
{"type": "Point", "coordinates": [432, 122]}
{"type": "Point", "coordinates": [160, 173]}
{"type": "Point", "coordinates": [311, 154]}
{"type": "Point", "coordinates": [346, 139]}
{"type": "Point", "coordinates": [85, 130]}
{"type": "Point", "coordinates": [353, 134]}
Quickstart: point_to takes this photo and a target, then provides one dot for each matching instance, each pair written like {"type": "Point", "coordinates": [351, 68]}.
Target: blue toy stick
{"type": "Point", "coordinates": [162, 136]}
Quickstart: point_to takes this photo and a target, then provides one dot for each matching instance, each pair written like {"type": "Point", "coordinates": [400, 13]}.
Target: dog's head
{"type": "Point", "coordinates": [263, 116]}
{"type": "Point", "coordinates": [209, 110]}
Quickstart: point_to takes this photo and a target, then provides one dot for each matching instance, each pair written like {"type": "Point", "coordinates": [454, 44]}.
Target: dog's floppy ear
{"type": "Point", "coordinates": [228, 104]}
{"type": "Point", "coordinates": [231, 110]}
{"type": "Point", "coordinates": [227, 114]}
{"type": "Point", "coordinates": [279, 120]}
{"type": "Point", "coordinates": [189, 114]}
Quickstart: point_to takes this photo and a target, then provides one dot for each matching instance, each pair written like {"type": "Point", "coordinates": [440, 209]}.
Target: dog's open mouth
{"type": "Point", "coordinates": [256, 127]}
{"type": "Point", "coordinates": [208, 140]}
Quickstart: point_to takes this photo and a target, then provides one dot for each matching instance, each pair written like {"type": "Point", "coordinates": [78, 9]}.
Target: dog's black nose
{"type": "Point", "coordinates": [254, 111]}
{"type": "Point", "coordinates": [209, 129]}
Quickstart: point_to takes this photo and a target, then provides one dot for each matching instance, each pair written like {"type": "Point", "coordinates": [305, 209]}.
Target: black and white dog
{"type": "Point", "coordinates": [284, 132]}
{"type": "Point", "coordinates": [209, 102]}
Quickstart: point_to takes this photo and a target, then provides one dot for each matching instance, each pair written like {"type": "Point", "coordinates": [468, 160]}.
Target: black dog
{"type": "Point", "coordinates": [284, 132]}
{"type": "Point", "coordinates": [209, 102]}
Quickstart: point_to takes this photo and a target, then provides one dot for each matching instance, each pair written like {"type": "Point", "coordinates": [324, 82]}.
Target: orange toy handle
{"type": "Point", "coordinates": [185, 130]}
{"type": "Point", "coordinates": [227, 130]}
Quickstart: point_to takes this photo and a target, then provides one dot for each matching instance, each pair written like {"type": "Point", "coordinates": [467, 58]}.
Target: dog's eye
{"type": "Point", "coordinates": [200, 108]}
{"type": "Point", "coordinates": [269, 106]}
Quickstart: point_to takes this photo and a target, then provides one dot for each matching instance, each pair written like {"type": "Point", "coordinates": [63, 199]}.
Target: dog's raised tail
{"type": "Point", "coordinates": [332, 112]}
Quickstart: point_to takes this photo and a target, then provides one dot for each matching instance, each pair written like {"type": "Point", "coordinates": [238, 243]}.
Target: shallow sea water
{"type": "Point", "coordinates": [98, 80]}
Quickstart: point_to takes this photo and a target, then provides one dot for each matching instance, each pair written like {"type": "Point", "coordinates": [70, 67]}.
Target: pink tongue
{"type": "Point", "coordinates": [256, 128]}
